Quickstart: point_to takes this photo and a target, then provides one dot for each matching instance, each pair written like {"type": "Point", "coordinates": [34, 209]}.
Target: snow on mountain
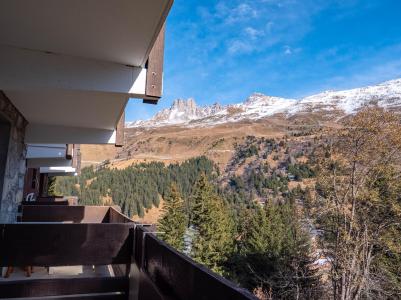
{"type": "Point", "coordinates": [257, 106]}
{"type": "Point", "coordinates": [387, 95]}
{"type": "Point", "coordinates": [180, 112]}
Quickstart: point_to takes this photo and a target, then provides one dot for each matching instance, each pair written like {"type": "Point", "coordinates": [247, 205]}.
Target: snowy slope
{"type": "Point", "coordinates": [257, 106]}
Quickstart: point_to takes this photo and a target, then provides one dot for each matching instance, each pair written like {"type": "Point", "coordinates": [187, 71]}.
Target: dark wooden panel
{"type": "Point", "coordinates": [178, 277]}
{"type": "Point", "coordinates": [151, 101]}
{"type": "Point", "coordinates": [154, 76]}
{"type": "Point", "coordinates": [117, 217]}
{"type": "Point", "coordinates": [63, 213]}
{"type": "Point", "coordinates": [90, 297]}
{"type": "Point", "coordinates": [69, 151]}
{"type": "Point", "coordinates": [32, 182]}
{"type": "Point", "coordinates": [120, 131]}
{"type": "Point", "coordinates": [148, 290]}
{"type": "Point", "coordinates": [65, 244]}
{"type": "Point", "coordinates": [43, 185]}
{"type": "Point", "coordinates": [62, 286]}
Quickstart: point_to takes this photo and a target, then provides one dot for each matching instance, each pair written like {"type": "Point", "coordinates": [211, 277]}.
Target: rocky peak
{"type": "Point", "coordinates": [255, 97]}
{"type": "Point", "coordinates": [184, 105]}
{"type": "Point", "coordinates": [258, 106]}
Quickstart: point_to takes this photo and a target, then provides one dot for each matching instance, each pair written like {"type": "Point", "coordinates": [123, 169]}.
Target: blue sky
{"type": "Point", "coordinates": [222, 51]}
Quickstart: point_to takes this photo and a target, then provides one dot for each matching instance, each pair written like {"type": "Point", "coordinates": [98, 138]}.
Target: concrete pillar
{"type": "Point", "coordinates": [13, 179]}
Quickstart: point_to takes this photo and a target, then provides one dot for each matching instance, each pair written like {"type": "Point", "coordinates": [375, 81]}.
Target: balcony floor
{"type": "Point", "coordinates": [60, 272]}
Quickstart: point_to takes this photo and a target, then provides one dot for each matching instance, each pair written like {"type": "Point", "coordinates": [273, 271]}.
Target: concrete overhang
{"type": "Point", "coordinates": [39, 155]}
{"type": "Point", "coordinates": [58, 171]}
{"type": "Point", "coordinates": [70, 66]}
{"type": "Point", "coordinates": [45, 151]}
{"type": "Point", "coordinates": [55, 158]}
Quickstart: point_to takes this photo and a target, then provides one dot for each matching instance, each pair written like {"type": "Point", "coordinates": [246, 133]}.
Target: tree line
{"type": "Point", "coordinates": [340, 240]}
{"type": "Point", "coordinates": [136, 188]}
{"type": "Point", "coordinates": [337, 239]}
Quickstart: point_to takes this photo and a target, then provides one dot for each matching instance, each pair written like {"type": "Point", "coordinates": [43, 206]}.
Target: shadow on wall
{"type": "Point", "coordinates": [12, 161]}
{"type": "Point", "coordinates": [5, 128]}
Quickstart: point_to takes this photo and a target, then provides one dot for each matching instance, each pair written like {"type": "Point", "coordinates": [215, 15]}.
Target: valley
{"type": "Point", "coordinates": [186, 130]}
{"type": "Point", "coordinates": [259, 188]}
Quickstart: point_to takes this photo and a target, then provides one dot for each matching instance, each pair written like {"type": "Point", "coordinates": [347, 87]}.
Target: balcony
{"type": "Point", "coordinates": [141, 266]}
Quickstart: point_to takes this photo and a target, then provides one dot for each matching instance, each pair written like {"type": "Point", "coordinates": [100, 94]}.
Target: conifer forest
{"type": "Point", "coordinates": [308, 217]}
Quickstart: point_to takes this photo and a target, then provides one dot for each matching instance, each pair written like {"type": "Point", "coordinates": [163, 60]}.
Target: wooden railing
{"type": "Point", "coordinates": [102, 236]}
{"type": "Point", "coordinates": [65, 214]}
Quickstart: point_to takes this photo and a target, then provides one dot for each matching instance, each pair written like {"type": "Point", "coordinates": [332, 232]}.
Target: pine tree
{"type": "Point", "coordinates": [51, 190]}
{"type": "Point", "coordinates": [214, 239]}
{"type": "Point", "coordinates": [173, 223]}
{"type": "Point", "coordinates": [275, 255]}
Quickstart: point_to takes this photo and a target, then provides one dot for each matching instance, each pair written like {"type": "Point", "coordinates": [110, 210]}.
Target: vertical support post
{"type": "Point", "coordinates": [120, 131]}
{"type": "Point", "coordinates": [76, 159]}
{"type": "Point", "coordinates": [134, 272]}
{"type": "Point", "coordinates": [154, 76]}
{"type": "Point", "coordinates": [44, 185]}
{"type": "Point", "coordinates": [69, 153]}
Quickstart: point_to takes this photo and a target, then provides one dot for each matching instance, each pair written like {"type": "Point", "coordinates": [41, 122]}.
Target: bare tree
{"type": "Point", "coordinates": [358, 206]}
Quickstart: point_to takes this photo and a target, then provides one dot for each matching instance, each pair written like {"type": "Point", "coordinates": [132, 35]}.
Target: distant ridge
{"type": "Point", "coordinates": [187, 113]}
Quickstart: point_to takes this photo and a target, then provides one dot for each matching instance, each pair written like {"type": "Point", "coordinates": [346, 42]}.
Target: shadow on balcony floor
{"type": "Point", "coordinates": [60, 272]}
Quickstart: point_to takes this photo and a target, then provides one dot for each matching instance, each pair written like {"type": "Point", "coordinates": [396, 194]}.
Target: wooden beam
{"type": "Point", "coordinates": [151, 101]}
{"type": "Point", "coordinates": [120, 131]}
{"type": "Point", "coordinates": [69, 151]}
{"type": "Point", "coordinates": [32, 182]}
{"type": "Point", "coordinates": [43, 185]}
{"type": "Point", "coordinates": [62, 287]}
{"type": "Point", "coordinates": [154, 76]}
{"type": "Point", "coordinates": [76, 160]}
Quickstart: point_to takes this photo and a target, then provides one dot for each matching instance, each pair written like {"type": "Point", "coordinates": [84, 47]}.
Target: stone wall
{"type": "Point", "coordinates": [15, 167]}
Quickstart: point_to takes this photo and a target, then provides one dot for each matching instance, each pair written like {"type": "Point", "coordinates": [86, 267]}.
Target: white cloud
{"type": "Point", "coordinates": [241, 12]}
{"type": "Point", "coordinates": [288, 50]}
{"type": "Point", "coordinates": [258, 25]}
{"type": "Point", "coordinates": [253, 33]}
{"type": "Point", "coordinates": [240, 47]}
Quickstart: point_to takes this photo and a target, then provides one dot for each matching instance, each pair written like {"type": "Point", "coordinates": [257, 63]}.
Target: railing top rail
{"type": "Point", "coordinates": [116, 216]}
{"type": "Point", "coordinates": [63, 213]}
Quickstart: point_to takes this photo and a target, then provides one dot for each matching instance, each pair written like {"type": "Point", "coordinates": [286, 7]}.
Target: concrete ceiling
{"type": "Point", "coordinates": [69, 108]}
{"type": "Point", "coordinates": [69, 66]}
{"type": "Point", "coordinates": [119, 31]}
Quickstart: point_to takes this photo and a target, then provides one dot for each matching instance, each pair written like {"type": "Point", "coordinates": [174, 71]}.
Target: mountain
{"type": "Point", "coordinates": [186, 130]}
{"type": "Point", "coordinates": [258, 106]}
